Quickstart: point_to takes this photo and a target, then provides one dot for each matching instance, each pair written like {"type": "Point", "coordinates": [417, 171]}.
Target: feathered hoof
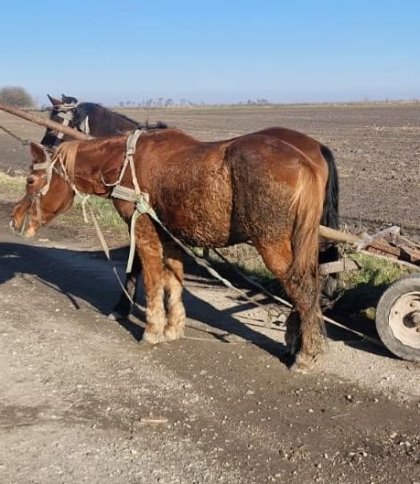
{"type": "Point", "coordinates": [145, 345]}
{"type": "Point", "coordinates": [307, 364]}
{"type": "Point", "coordinates": [151, 339]}
{"type": "Point", "coordinates": [173, 333]}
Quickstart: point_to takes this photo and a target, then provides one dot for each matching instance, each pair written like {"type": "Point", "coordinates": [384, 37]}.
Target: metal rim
{"type": "Point", "coordinates": [404, 319]}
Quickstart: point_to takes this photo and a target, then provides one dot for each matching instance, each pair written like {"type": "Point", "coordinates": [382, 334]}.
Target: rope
{"type": "Point", "coordinates": [143, 207]}
{"type": "Point", "coordinates": [106, 250]}
{"type": "Point", "coordinates": [252, 282]}
{"type": "Point", "coordinates": [24, 141]}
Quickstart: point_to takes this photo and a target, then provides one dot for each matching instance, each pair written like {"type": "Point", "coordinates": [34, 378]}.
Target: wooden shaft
{"type": "Point", "coordinates": [338, 235]}
{"type": "Point", "coordinates": [33, 118]}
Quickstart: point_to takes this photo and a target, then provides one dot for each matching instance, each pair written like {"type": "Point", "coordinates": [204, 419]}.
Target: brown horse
{"type": "Point", "coordinates": [104, 122]}
{"type": "Point", "coordinates": [209, 194]}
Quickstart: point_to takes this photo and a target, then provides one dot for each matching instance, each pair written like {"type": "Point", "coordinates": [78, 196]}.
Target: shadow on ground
{"type": "Point", "coordinates": [87, 276]}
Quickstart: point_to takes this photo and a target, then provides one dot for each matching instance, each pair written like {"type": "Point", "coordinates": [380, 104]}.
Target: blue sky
{"type": "Point", "coordinates": [212, 51]}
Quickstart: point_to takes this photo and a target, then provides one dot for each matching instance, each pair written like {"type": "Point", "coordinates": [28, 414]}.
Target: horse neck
{"type": "Point", "coordinates": [87, 163]}
{"type": "Point", "coordinates": [102, 121]}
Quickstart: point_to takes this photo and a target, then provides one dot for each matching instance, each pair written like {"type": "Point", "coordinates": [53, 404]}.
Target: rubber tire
{"type": "Point", "coordinates": [389, 297]}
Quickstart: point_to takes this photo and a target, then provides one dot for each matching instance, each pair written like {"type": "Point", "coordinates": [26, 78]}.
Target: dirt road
{"type": "Point", "coordinates": [80, 401]}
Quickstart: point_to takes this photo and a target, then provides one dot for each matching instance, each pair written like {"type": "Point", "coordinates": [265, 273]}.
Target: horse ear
{"type": "Point", "coordinates": [54, 101]}
{"type": "Point", "coordinates": [68, 99]}
{"type": "Point", "coordinates": [37, 152]}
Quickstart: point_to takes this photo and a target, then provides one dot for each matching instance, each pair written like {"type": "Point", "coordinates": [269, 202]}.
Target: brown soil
{"type": "Point", "coordinates": [82, 402]}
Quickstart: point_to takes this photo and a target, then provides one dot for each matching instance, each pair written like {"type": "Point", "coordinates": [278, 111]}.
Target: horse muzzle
{"type": "Point", "coordinates": [23, 229]}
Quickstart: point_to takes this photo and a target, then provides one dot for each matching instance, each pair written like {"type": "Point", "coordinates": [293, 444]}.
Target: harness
{"type": "Point", "coordinates": [49, 165]}
{"type": "Point", "coordinates": [141, 201]}
{"type": "Point", "coordinates": [65, 112]}
{"type": "Point", "coordinates": [139, 198]}
{"type": "Point", "coordinates": [142, 206]}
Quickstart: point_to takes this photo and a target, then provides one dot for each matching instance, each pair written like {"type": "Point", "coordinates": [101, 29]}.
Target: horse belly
{"type": "Point", "coordinates": [199, 212]}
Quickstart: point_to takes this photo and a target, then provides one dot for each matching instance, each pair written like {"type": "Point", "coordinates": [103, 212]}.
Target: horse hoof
{"type": "Point", "coordinates": [298, 368]}
{"type": "Point", "coordinates": [116, 316]}
{"type": "Point", "coordinates": [145, 345]}
{"type": "Point", "coordinates": [306, 364]}
{"type": "Point", "coordinates": [152, 338]}
{"type": "Point", "coordinates": [172, 334]}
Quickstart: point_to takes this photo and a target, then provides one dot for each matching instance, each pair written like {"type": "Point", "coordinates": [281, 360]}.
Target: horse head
{"type": "Point", "coordinates": [63, 112]}
{"type": "Point", "coordinates": [48, 193]}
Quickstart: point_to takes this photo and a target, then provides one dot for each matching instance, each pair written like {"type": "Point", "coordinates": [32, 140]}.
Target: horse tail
{"type": "Point", "coordinates": [330, 214]}
{"type": "Point", "coordinates": [307, 205]}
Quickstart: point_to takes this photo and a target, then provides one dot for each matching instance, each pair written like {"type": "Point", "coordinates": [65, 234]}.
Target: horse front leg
{"type": "Point", "coordinates": [174, 276]}
{"type": "Point", "coordinates": [123, 307]}
{"type": "Point", "coordinates": [150, 251]}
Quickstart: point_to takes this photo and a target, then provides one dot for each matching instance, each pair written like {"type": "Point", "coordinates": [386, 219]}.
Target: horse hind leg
{"type": "Point", "coordinates": [304, 333]}
{"type": "Point", "coordinates": [174, 275]}
{"type": "Point", "coordinates": [304, 292]}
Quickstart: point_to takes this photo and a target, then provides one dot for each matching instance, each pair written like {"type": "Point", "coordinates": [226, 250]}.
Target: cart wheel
{"type": "Point", "coordinates": [398, 318]}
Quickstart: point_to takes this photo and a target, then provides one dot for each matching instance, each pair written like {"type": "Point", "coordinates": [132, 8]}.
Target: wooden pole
{"type": "Point", "coordinates": [33, 118]}
{"type": "Point", "coordinates": [337, 235]}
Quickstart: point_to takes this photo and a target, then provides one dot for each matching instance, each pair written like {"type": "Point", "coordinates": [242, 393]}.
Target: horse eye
{"type": "Point", "coordinates": [30, 180]}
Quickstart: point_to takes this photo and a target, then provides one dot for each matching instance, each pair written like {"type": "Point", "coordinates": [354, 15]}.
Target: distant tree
{"type": "Point", "coordinates": [169, 102]}
{"type": "Point", "coordinates": [16, 96]}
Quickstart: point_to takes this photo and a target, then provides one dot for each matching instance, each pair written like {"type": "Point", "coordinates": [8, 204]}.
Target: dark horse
{"type": "Point", "coordinates": [89, 118]}
{"type": "Point", "coordinates": [208, 194]}
{"type": "Point", "coordinates": [94, 119]}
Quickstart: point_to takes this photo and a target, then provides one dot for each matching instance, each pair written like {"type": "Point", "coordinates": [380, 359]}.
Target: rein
{"type": "Point", "coordinates": [24, 141]}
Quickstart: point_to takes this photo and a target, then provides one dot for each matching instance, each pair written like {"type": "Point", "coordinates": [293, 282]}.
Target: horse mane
{"type": "Point", "coordinates": [112, 121]}
{"type": "Point", "coordinates": [66, 156]}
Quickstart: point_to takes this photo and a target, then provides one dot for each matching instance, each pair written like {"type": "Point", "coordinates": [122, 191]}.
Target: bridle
{"type": "Point", "coordinates": [50, 165]}
{"type": "Point", "coordinates": [65, 115]}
